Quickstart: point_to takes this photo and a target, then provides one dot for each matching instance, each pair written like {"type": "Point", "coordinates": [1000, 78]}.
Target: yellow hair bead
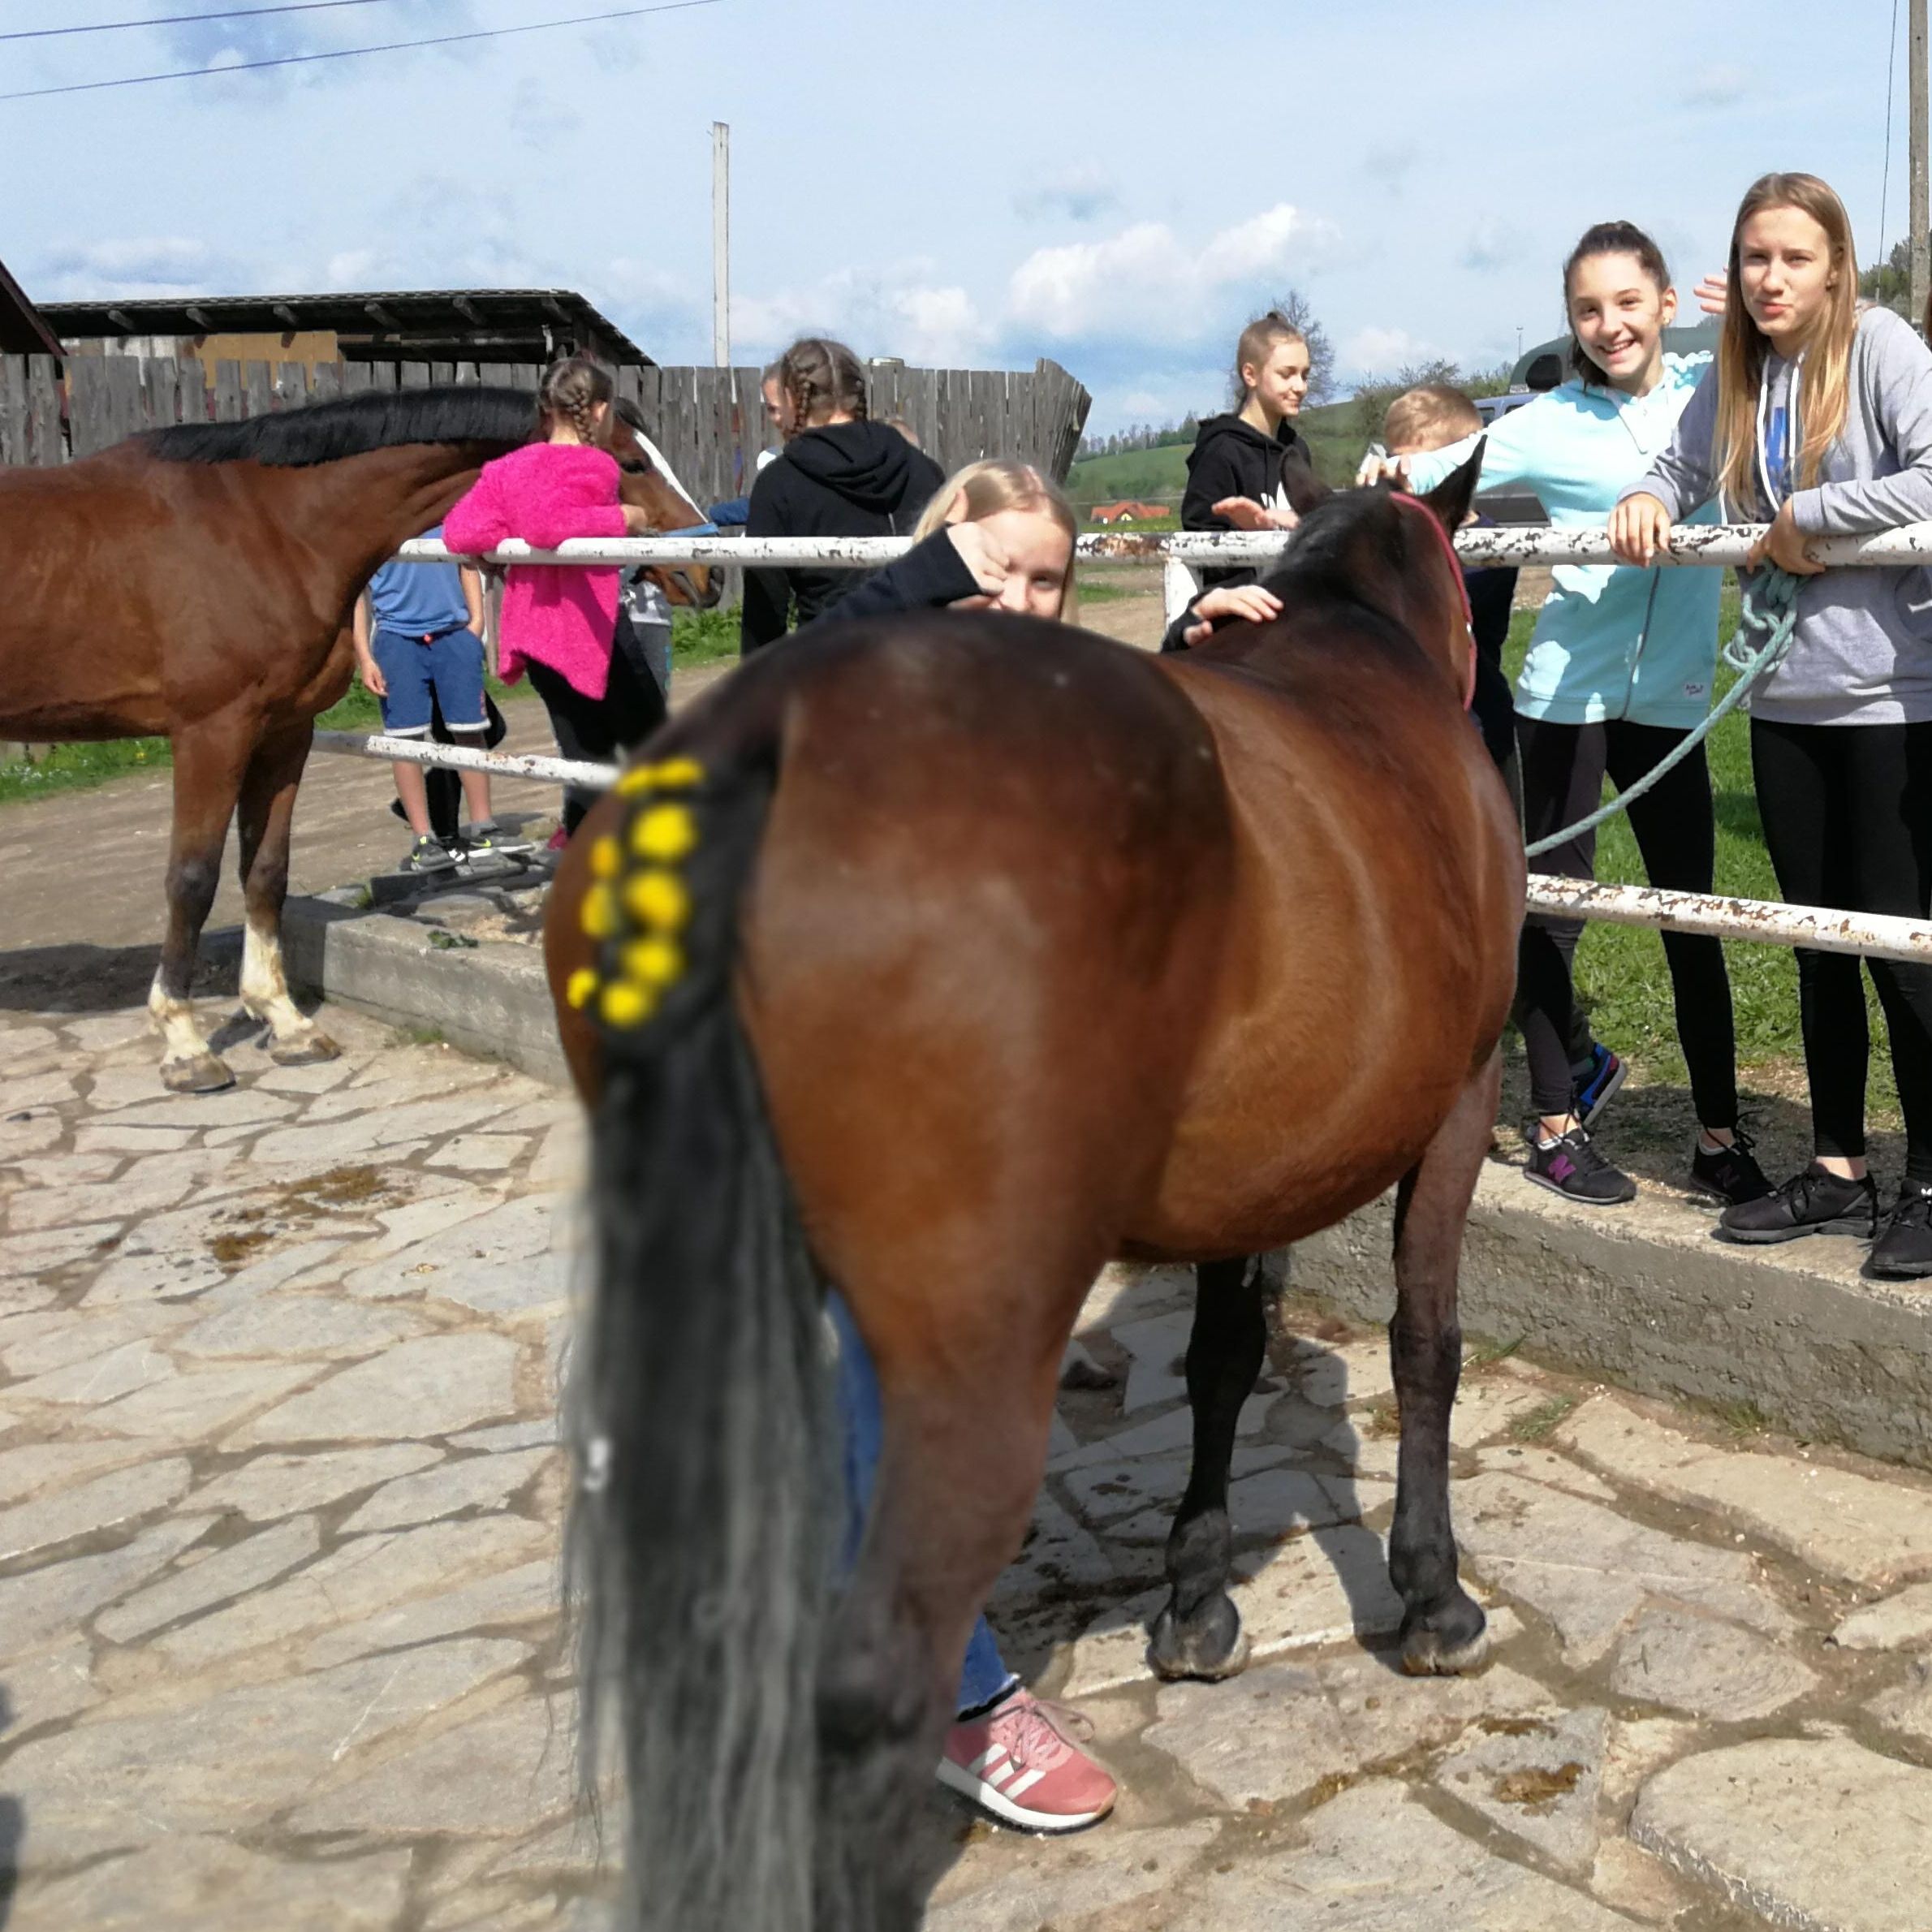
{"type": "Point", "coordinates": [653, 962]}
{"type": "Point", "coordinates": [600, 913]}
{"type": "Point", "coordinates": [626, 1004]}
{"type": "Point", "coordinates": [660, 900]}
{"type": "Point", "coordinates": [606, 858]}
{"type": "Point", "coordinates": [666, 833]}
{"type": "Point", "coordinates": [675, 773]}
{"type": "Point", "coordinates": [639, 779]}
{"type": "Point", "coordinates": [582, 986]}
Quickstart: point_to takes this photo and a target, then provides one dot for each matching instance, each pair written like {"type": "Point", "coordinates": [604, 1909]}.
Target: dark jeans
{"type": "Point", "coordinates": [596, 729]}
{"type": "Point", "coordinates": [1563, 768]}
{"type": "Point", "coordinates": [1848, 820]}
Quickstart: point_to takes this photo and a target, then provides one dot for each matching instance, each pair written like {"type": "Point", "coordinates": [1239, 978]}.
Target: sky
{"type": "Point", "coordinates": [959, 182]}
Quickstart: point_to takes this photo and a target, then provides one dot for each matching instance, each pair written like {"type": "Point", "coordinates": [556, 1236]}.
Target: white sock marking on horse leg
{"type": "Point", "coordinates": [265, 985]}
{"type": "Point", "coordinates": [181, 1038]}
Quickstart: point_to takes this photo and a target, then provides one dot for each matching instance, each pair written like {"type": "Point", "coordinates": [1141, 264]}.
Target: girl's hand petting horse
{"type": "Point", "coordinates": [637, 520]}
{"type": "Point", "coordinates": [1245, 514]}
{"type": "Point", "coordinates": [1246, 600]}
{"type": "Point", "coordinates": [1783, 545]}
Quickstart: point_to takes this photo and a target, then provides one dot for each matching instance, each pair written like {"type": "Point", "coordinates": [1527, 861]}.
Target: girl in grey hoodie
{"type": "Point", "coordinates": [1818, 416]}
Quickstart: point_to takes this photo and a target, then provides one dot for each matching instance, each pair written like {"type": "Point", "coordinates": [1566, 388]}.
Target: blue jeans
{"type": "Point", "coordinates": [984, 1678]}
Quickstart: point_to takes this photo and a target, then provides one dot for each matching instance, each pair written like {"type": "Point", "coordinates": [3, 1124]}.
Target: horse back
{"type": "Point", "coordinates": [985, 919]}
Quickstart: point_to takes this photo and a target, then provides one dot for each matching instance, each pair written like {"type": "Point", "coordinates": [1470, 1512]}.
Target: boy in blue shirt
{"type": "Point", "coordinates": [419, 631]}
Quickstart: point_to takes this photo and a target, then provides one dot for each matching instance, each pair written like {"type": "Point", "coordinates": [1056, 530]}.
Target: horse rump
{"type": "Point", "coordinates": [702, 1528]}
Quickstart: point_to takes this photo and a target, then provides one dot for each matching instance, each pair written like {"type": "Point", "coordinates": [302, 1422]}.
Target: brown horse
{"type": "Point", "coordinates": [198, 583]}
{"type": "Point", "coordinates": [943, 958]}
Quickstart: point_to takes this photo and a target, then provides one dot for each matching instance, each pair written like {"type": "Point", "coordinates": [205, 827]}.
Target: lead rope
{"type": "Point", "coordinates": [1770, 611]}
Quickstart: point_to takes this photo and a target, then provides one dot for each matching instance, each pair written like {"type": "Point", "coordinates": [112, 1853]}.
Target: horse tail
{"type": "Point", "coordinates": [701, 1538]}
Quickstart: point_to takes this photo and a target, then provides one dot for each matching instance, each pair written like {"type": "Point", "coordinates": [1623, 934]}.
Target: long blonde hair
{"type": "Point", "coordinates": [1743, 347]}
{"type": "Point", "coordinates": [1004, 483]}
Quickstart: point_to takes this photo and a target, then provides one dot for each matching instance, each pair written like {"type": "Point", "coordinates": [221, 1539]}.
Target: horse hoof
{"type": "Point", "coordinates": [1213, 1648]}
{"type": "Point", "coordinates": [1428, 1651]}
{"type": "Point", "coordinates": [311, 1049]}
{"type": "Point", "coordinates": [203, 1074]}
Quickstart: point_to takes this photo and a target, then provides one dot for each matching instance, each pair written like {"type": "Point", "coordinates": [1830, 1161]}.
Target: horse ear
{"type": "Point", "coordinates": [1449, 501]}
{"type": "Point", "coordinates": [1305, 489]}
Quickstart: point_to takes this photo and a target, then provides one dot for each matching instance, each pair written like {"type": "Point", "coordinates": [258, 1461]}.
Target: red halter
{"type": "Point", "coordinates": [1462, 589]}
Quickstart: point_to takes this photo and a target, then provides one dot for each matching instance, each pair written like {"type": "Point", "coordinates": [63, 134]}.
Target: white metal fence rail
{"type": "Point", "coordinates": [1182, 555]}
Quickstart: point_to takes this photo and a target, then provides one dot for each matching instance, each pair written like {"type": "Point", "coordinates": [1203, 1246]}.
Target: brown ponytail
{"type": "Point", "coordinates": [819, 377]}
{"type": "Point", "coordinates": [570, 393]}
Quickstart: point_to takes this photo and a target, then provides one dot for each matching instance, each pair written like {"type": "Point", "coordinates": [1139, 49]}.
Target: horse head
{"type": "Point", "coordinates": [1398, 553]}
{"type": "Point", "coordinates": [649, 483]}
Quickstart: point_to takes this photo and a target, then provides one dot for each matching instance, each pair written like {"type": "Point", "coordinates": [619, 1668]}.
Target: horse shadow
{"type": "Point", "coordinates": [76, 978]}
{"type": "Point", "coordinates": [1295, 1476]}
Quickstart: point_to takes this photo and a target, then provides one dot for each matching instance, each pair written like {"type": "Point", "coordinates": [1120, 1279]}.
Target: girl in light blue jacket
{"type": "Point", "coordinates": [1619, 672]}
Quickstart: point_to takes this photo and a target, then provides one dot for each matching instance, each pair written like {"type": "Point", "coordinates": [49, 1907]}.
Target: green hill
{"type": "Point", "coordinates": [1161, 475]}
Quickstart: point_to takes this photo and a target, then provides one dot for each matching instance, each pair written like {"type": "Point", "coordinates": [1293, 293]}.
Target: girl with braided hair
{"type": "Point", "coordinates": [840, 475]}
{"type": "Point", "coordinates": [558, 624]}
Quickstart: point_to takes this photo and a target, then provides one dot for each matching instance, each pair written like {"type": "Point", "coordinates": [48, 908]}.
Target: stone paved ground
{"type": "Point", "coordinates": [279, 1644]}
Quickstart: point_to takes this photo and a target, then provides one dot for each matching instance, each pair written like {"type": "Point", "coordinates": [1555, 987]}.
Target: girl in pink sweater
{"type": "Point", "coordinates": [558, 624]}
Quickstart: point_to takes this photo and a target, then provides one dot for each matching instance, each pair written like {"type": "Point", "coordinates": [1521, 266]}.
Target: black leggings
{"type": "Point", "coordinates": [1564, 767]}
{"type": "Point", "coordinates": [596, 729]}
{"type": "Point", "coordinates": [1848, 820]}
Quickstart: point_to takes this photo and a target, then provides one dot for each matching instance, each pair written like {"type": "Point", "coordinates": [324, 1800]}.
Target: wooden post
{"type": "Point", "coordinates": [721, 244]}
{"type": "Point", "coordinates": [1922, 214]}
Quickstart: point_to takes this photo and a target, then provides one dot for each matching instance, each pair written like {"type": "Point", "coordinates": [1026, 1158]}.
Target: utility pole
{"type": "Point", "coordinates": [721, 238]}
{"type": "Point", "coordinates": [1922, 214]}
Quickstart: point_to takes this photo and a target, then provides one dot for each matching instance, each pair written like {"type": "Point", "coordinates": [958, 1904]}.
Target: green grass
{"type": "Point", "coordinates": [697, 637]}
{"type": "Point", "coordinates": [703, 637]}
{"type": "Point", "coordinates": [1161, 475]}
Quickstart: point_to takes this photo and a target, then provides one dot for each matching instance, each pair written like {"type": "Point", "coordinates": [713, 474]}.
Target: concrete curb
{"type": "Point", "coordinates": [1644, 1297]}
{"type": "Point", "coordinates": [1639, 1296]}
{"type": "Point", "coordinates": [487, 997]}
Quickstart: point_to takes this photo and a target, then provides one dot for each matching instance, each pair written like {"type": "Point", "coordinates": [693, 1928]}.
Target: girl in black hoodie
{"type": "Point", "coordinates": [840, 476]}
{"type": "Point", "coordinates": [1234, 470]}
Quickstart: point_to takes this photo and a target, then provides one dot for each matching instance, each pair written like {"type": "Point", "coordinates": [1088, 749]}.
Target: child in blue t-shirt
{"type": "Point", "coordinates": [419, 637]}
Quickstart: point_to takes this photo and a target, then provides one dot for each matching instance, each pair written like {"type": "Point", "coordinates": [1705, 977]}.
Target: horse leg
{"type": "Point", "coordinates": [963, 1446]}
{"type": "Point", "coordinates": [208, 762]}
{"type": "Point", "coordinates": [1199, 1633]}
{"type": "Point", "coordinates": [1443, 1630]}
{"type": "Point", "coordinates": [267, 817]}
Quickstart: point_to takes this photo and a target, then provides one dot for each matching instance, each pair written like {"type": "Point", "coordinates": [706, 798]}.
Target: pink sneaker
{"type": "Point", "coordinates": [558, 839]}
{"type": "Point", "coordinates": [1017, 1764]}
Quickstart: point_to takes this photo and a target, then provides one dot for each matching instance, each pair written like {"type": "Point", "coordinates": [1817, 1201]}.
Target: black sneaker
{"type": "Point", "coordinates": [1731, 1173]}
{"type": "Point", "coordinates": [487, 840]}
{"type": "Point", "coordinates": [1595, 1082]}
{"type": "Point", "coordinates": [1570, 1165]}
{"type": "Point", "coordinates": [1903, 1251]}
{"type": "Point", "coordinates": [429, 854]}
{"type": "Point", "coordinates": [1811, 1203]}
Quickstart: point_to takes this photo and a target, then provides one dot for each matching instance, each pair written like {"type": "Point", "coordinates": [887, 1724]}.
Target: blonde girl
{"type": "Point", "coordinates": [1818, 418]}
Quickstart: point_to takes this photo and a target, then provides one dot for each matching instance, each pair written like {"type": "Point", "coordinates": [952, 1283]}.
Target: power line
{"type": "Point", "coordinates": [233, 13]}
{"type": "Point", "coordinates": [296, 60]}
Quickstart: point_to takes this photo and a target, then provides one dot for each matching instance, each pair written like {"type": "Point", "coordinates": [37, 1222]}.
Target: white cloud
{"type": "Point", "coordinates": [1081, 194]}
{"type": "Point", "coordinates": [900, 311]}
{"type": "Point", "coordinates": [1494, 244]}
{"type": "Point", "coordinates": [155, 264]}
{"type": "Point", "coordinates": [1391, 164]}
{"type": "Point", "coordinates": [1717, 87]}
{"type": "Point", "coordinates": [1377, 351]}
{"type": "Point", "coordinates": [1145, 284]}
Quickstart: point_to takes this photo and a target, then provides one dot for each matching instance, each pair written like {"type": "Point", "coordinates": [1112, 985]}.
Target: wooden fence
{"type": "Point", "coordinates": [710, 423]}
